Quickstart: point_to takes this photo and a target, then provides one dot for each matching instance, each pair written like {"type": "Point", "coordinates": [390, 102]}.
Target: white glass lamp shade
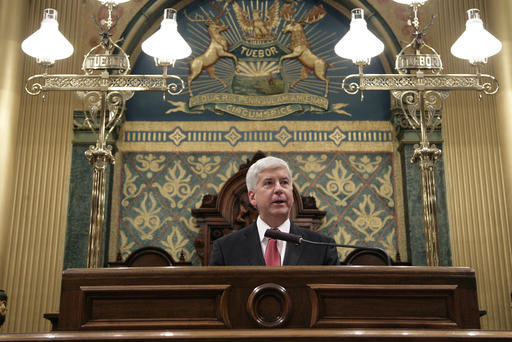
{"type": "Point", "coordinates": [166, 45]}
{"type": "Point", "coordinates": [411, 2]}
{"type": "Point", "coordinates": [476, 43]}
{"type": "Point", "coordinates": [359, 44]}
{"type": "Point", "coordinates": [47, 44]}
{"type": "Point", "coordinates": [112, 2]}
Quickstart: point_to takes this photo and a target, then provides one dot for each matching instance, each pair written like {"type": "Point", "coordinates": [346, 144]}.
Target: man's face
{"type": "Point", "coordinates": [273, 196]}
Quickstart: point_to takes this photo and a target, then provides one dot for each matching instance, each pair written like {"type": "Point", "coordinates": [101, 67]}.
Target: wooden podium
{"type": "Point", "coordinates": [291, 297]}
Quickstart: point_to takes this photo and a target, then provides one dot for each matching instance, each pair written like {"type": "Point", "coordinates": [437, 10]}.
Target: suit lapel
{"type": "Point", "coordinates": [293, 251]}
{"type": "Point", "coordinates": [253, 246]}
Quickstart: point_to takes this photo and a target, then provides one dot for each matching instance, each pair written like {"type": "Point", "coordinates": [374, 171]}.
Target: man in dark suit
{"type": "Point", "coordinates": [270, 190]}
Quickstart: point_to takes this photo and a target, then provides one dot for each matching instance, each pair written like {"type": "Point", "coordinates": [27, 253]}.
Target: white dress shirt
{"type": "Point", "coordinates": [281, 245]}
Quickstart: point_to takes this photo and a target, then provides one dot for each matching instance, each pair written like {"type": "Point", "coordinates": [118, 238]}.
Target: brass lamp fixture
{"type": "Point", "coordinates": [420, 88]}
{"type": "Point", "coordinates": [104, 88]}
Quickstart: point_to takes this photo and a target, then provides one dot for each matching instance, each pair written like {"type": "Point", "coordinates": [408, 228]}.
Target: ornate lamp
{"type": "Point", "coordinates": [104, 88]}
{"type": "Point", "coordinates": [166, 45]}
{"type": "Point", "coordinates": [47, 44]}
{"type": "Point", "coordinates": [350, 46]}
{"type": "Point", "coordinates": [420, 88]}
{"type": "Point", "coordinates": [476, 43]}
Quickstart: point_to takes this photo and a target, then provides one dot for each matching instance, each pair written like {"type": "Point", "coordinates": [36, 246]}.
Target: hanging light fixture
{"type": "Point", "coordinates": [167, 45]}
{"type": "Point", "coordinates": [47, 44]}
{"type": "Point", "coordinates": [420, 88]}
{"type": "Point", "coordinates": [104, 88]}
{"type": "Point", "coordinates": [112, 2]}
{"type": "Point", "coordinates": [359, 44]}
{"type": "Point", "coordinates": [411, 2]}
{"type": "Point", "coordinates": [475, 44]}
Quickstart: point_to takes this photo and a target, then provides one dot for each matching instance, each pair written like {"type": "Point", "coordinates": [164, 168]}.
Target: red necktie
{"type": "Point", "coordinates": [272, 256]}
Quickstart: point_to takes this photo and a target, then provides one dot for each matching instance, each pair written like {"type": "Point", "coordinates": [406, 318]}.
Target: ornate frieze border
{"type": "Point", "coordinates": [249, 136]}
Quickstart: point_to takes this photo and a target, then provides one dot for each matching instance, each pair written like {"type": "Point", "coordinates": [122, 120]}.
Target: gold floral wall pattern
{"type": "Point", "coordinates": [157, 190]}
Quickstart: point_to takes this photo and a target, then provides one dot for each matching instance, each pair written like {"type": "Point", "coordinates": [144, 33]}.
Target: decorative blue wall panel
{"type": "Point", "coordinates": [159, 190]}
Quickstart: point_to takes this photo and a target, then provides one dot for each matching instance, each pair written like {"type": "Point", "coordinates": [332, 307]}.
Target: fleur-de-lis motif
{"type": "Point", "coordinates": [204, 165]}
{"type": "Point", "coordinates": [344, 237]}
{"type": "Point", "coordinates": [386, 187]}
{"type": "Point", "coordinates": [125, 247]}
{"type": "Point", "coordinates": [368, 220]}
{"type": "Point", "coordinates": [147, 221]}
{"type": "Point", "coordinates": [190, 223]}
{"type": "Point", "coordinates": [313, 164]}
{"type": "Point", "coordinates": [176, 243]}
{"type": "Point", "coordinates": [388, 243]}
{"type": "Point", "coordinates": [223, 177]}
{"type": "Point", "coordinates": [340, 186]}
{"type": "Point", "coordinates": [365, 165]}
{"type": "Point", "coordinates": [177, 185]}
{"type": "Point", "coordinates": [149, 163]}
{"type": "Point", "coordinates": [130, 187]}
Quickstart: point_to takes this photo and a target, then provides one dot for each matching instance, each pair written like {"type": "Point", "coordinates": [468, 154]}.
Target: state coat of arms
{"type": "Point", "coordinates": [249, 54]}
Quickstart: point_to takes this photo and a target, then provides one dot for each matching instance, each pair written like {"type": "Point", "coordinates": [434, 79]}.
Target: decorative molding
{"type": "Point", "coordinates": [269, 136]}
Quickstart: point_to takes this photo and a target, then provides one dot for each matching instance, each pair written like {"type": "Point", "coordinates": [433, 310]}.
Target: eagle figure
{"type": "Point", "coordinates": [259, 27]}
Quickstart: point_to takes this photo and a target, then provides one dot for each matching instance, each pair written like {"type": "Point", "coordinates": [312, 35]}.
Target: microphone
{"type": "Point", "coordinates": [297, 239]}
{"type": "Point", "coordinates": [279, 235]}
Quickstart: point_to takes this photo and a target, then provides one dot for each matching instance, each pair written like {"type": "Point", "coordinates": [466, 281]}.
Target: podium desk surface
{"type": "Point", "coordinates": [270, 335]}
{"type": "Point", "coordinates": [292, 297]}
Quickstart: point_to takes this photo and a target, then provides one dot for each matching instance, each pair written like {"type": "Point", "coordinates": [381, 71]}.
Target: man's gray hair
{"type": "Point", "coordinates": [251, 179]}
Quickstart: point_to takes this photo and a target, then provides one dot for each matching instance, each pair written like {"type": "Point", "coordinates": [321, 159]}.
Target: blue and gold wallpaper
{"type": "Point", "coordinates": [159, 189]}
{"type": "Point", "coordinates": [159, 180]}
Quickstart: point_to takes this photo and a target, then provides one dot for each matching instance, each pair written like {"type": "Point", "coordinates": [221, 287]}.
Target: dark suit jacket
{"type": "Point", "coordinates": [243, 248]}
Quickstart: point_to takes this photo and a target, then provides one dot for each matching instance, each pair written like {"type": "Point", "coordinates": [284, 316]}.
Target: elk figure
{"type": "Point", "coordinates": [217, 48]}
{"type": "Point", "coordinates": [299, 45]}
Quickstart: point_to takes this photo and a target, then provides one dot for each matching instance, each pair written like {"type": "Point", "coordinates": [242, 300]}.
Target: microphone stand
{"type": "Point", "coordinates": [297, 239]}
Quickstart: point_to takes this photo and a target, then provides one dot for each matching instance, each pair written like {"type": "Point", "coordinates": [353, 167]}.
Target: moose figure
{"type": "Point", "coordinates": [217, 48]}
{"type": "Point", "coordinates": [299, 45]}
